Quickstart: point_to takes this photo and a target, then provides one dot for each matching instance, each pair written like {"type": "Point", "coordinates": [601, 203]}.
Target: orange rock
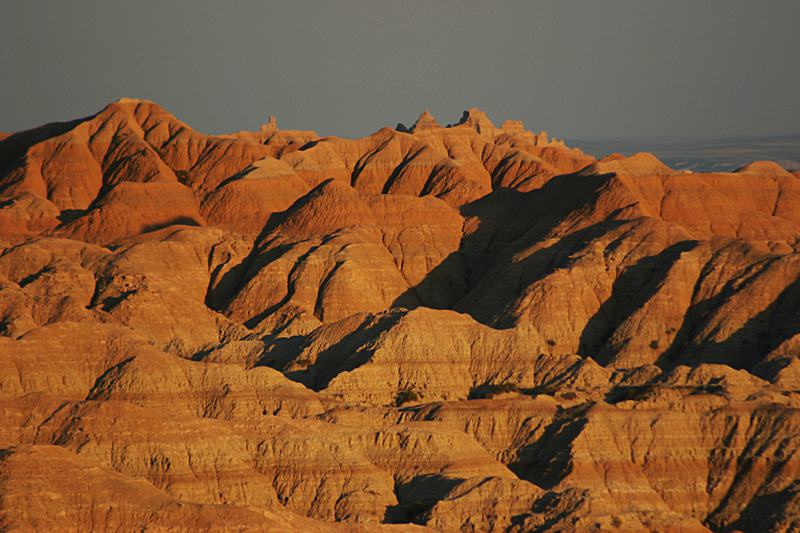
{"type": "Point", "coordinates": [337, 252]}
{"type": "Point", "coordinates": [245, 203]}
{"type": "Point", "coordinates": [134, 208]}
{"type": "Point", "coordinates": [424, 122]}
{"type": "Point", "coordinates": [50, 488]}
{"type": "Point", "coordinates": [471, 328]}
{"type": "Point", "coordinates": [478, 121]}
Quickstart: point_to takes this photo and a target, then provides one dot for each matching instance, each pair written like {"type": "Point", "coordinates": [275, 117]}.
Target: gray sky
{"type": "Point", "coordinates": [577, 69]}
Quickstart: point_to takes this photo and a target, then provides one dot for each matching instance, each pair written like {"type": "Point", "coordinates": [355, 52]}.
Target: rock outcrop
{"type": "Point", "coordinates": [424, 122]}
{"type": "Point", "coordinates": [462, 328]}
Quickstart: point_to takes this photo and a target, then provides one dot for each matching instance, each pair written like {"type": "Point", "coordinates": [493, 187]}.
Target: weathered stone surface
{"type": "Point", "coordinates": [49, 488]}
{"type": "Point", "coordinates": [133, 208]}
{"type": "Point", "coordinates": [65, 358]}
{"type": "Point", "coordinates": [429, 355]}
{"type": "Point", "coordinates": [189, 458]}
{"type": "Point", "coordinates": [469, 328]}
{"type": "Point", "coordinates": [425, 121]}
{"type": "Point", "coordinates": [245, 202]}
{"type": "Point", "coordinates": [219, 390]}
{"type": "Point", "coordinates": [337, 252]}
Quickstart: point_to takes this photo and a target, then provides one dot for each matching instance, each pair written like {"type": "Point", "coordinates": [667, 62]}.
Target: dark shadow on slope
{"type": "Point", "coordinates": [264, 258]}
{"type": "Point", "coordinates": [232, 281]}
{"type": "Point", "coordinates": [507, 215]}
{"type": "Point", "coordinates": [237, 176]}
{"type": "Point", "coordinates": [364, 161]}
{"type": "Point", "coordinates": [760, 488]}
{"type": "Point", "coordinates": [507, 222]}
{"type": "Point", "coordinates": [448, 285]}
{"type": "Point", "coordinates": [548, 460]}
{"type": "Point", "coordinates": [746, 347]}
{"type": "Point", "coordinates": [449, 282]}
{"type": "Point", "coordinates": [14, 147]}
{"type": "Point", "coordinates": [177, 221]}
{"type": "Point", "coordinates": [417, 496]}
{"type": "Point", "coordinates": [261, 261]}
{"type": "Point", "coordinates": [352, 351]}
{"type": "Point", "coordinates": [761, 510]}
{"type": "Point", "coordinates": [397, 172]}
{"type": "Point", "coordinates": [220, 291]}
{"type": "Point", "coordinates": [694, 319]}
{"type": "Point", "coordinates": [107, 381]}
{"type": "Point", "coordinates": [441, 287]}
{"type": "Point", "coordinates": [491, 301]}
{"type": "Point", "coordinates": [558, 506]}
{"type": "Point", "coordinates": [238, 276]}
{"type": "Point", "coordinates": [279, 352]}
{"type": "Point", "coordinates": [68, 215]}
{"type": "Point", "coordinates": [631, 290]}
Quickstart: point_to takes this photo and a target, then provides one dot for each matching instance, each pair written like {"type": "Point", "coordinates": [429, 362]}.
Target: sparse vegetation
{"type": "Point", "coordinates": [550, 342]}
{"type": "Point", "coordinates": [490, 391]}
{"type": "Point", "coordinates": [407, 395]}
{"type": "Point", "coordinates": [550, 389]}
{"type": "Point", "coordinates": [505, 387]}
{"type": "Point", "coordinates": [654, 344]}
{"type": "Point", "coordinates": [636, 393]}
{"type": "Point", "coordinates": [710, 388]}
{"type": "Point", "coordinates": [183, 177]}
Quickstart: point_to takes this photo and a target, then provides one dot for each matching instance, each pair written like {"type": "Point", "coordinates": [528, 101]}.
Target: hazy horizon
{"type": "Point", "coordinates": [578, 70]}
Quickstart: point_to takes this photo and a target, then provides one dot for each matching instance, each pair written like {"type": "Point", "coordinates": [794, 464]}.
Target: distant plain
{"type": "Point", "coordinates": [703, 154]}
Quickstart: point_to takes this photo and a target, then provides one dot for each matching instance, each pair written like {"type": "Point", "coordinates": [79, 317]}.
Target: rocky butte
{"type": "Point", "coordinates": [455, 329]}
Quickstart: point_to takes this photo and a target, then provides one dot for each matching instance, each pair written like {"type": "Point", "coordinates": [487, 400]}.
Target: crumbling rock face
{"type": "Point", "coordinates": [50, 488]}
{"type": "Point", "coordinates": [462, 328]}
{"type": "Point", "coordinates": [337, 252]}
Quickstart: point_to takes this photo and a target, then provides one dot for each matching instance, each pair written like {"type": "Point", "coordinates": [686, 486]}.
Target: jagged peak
{"type": "Point", "coordinates": [476, 119]}
{"type": "Point", "coordinates": [513, 127]}
{"type": "Point", "coordinates": [471, 115]}
{"type": "Point", "coordinates": [424, 122]}
{"type": "Point", "coordinates": [271, 126]}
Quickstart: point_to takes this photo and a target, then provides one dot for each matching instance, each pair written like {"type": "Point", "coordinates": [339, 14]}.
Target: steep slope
{"type": "Point", "coordinates": [337, 252]}
{"type": "Point", "coordinates": [461, 328]}
{"type": "Point", "coordinates": [69, 174]}
{"type": "Point", "coordinates": [628, 271]}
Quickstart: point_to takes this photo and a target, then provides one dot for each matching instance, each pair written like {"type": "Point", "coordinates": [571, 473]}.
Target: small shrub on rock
{"type": "Point", "coordinates": [407, 395]}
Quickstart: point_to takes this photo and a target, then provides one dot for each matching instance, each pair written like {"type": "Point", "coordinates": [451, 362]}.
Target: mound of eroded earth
{"type": "Point", "coordinates": [467, 328]}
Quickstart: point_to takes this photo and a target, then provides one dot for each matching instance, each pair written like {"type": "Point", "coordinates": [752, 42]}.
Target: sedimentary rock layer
{"type": "Point", "coordinates": [462, 328]}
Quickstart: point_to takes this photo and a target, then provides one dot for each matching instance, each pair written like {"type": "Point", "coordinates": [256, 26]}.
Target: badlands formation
{"type": "Point", "coordinates": [461, 329]}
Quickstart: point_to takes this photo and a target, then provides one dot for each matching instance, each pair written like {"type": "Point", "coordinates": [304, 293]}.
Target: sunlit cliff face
{"type": "Point", "coordinates": [466, 328]}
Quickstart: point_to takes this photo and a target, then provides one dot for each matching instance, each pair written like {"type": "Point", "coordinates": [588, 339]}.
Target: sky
{"type": "Point", "coordinates": [590, 69]}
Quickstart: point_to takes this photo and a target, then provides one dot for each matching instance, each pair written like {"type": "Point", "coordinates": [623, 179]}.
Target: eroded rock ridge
{"type": "Point", "coordinates": [464, 328]}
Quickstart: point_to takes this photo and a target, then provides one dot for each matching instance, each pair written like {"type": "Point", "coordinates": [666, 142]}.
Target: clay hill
{"type": "Point", "coordinates": [459, 329]}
